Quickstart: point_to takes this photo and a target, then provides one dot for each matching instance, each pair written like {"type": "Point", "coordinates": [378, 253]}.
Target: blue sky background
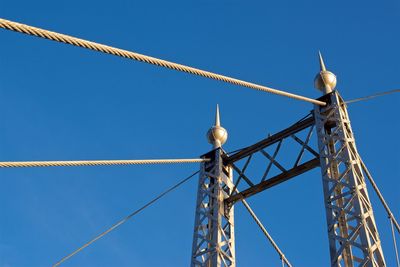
{"type": "Point", "coordinates": [64, 103]}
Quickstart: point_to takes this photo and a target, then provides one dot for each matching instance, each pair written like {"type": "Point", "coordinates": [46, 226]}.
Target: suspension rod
{"type": "Point", "coordinates": [269, 237]}
{"type": "Point", "coordinates": [385, 205]}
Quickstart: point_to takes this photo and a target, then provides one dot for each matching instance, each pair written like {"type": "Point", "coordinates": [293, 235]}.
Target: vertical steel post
{"type": "Point", "coordinates": [352, 232]}
{"type": "Point", "coordinates": [213, 237]}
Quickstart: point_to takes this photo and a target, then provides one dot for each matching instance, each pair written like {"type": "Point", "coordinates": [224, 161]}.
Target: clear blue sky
{"type": "Point", "coordinates": [64, 103]}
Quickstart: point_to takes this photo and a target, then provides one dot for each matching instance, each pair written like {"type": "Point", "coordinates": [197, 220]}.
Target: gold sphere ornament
{"type": "Point", "coordinates": [325, 81]}
{"type": "Point", "coordinates": [217, 135]}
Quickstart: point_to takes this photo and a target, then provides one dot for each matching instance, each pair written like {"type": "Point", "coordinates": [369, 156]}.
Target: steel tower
{"type": "Point", "coordinates": [352, 232]}
{"type": "Point", "coordinates": [213, 237]}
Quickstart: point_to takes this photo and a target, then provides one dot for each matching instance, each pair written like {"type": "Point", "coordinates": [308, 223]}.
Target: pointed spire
{"type": "Point", "coordinates": [217, 120]}
{"type": "Point", "coordinates": [321, 62]}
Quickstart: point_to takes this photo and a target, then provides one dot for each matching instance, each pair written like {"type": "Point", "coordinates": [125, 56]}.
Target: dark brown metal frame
{"type": "Point", "coordinates": [259, 147]}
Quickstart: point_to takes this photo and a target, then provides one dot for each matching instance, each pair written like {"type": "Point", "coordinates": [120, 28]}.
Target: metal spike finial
{"type": "Point", "coordinates": [325, 81]}
{"type": "Point", "coordinates": [217, 120]}
{"type": "Point", "coordinates": [321, 62]}
{"type": "Point", "coordinates": [217, 135]}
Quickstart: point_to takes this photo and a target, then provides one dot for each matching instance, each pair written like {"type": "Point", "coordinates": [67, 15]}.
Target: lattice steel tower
{"type": "Point", "coordinates": [214, 238]}
{"type": "Point", "coordinates": [352, 231]}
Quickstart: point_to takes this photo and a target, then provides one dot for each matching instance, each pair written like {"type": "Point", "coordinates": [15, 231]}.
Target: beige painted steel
{"type": "Point", "coordinates": [214, 231]}
{"type": "Point", "coordinates": [352, 232]}
{"type": "Point", "coordinates": [214, 234]}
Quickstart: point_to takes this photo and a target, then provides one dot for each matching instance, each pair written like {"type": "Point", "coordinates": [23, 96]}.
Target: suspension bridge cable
{"type": "Point", "coordinates": [380, 196]}
{"type": "Point", "coordinates": [54, 36]}
{"type": "Point", "coordinates": [124, 220]}
{"type": "Point", "coordinates": [269, 237]}
{"type": "Point", "coordinates": [22, 164]}
{"type": "Point", "coordinates": [372, 96]}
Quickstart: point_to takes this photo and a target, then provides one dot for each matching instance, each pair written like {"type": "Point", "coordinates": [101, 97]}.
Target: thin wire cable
{"type": "Point", "coordinates": [125, 219]}
{"type": "Point", "coordinates": [394, 242]}
{"type": "Point", "coordinates": [26, 29]}
{"type": "Point", "coordinates": [372, 96]}
{"type": "Point", "coordinates": [380, 196]}
{"type": "Point", "coordinates": [269, 237]}
{"type": "Point", "coordinates": [74, 163]}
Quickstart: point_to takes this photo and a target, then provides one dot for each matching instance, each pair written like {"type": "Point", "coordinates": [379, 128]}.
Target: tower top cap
{"type": "Point", "coordinates": [325, 81]}
{"type": "Point", "coordinates": [217, 135]}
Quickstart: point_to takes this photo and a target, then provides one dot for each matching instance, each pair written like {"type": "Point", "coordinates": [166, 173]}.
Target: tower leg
{"type": "Point", "coordinates": [213, 238]}
{"type": "Point", "coordinates": [352, 233]}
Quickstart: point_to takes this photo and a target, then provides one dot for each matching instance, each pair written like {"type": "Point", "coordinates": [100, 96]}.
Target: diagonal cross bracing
{"type": "Point", "coordinates": [285, 173]}
{"type": "Point", "coordinates": [352, 232]}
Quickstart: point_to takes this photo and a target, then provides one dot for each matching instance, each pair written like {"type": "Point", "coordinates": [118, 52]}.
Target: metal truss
{"type": "Point", "coordinates": [276, 141]}
{"type": "Point", "coordinates": [213, 238]}
{"type": "Point", "coordinates": [352, 232]}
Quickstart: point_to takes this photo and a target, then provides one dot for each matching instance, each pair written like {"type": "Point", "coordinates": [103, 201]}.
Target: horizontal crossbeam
{"type": "Point", "coordinates": [269, 141]}
{"type": "Point", "coordinates": [284, 176]}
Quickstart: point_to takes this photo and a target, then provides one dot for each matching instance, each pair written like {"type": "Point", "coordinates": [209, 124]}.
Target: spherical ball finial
{"type": "Point", "coordinates": [217, 135]}
{"type": "Point", "coordinates": [325, 81]}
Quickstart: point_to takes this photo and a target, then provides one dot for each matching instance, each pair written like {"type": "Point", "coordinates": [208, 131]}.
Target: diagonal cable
{"type": "Point", "coordinates": [269, 237]}
{"type": "Point", "coordinates": [394, 243]}
{"type": "Point", "coordinates": [54, 36]}
{"type": "Point", "coordinates": [372, 96]}
{"type": "Point", "coordinates": [380, 196]}
{"type": "Point", "coordinates": [124, 220]}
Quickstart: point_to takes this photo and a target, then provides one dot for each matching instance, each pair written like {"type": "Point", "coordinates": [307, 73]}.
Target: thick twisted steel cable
{"type": "Point", "coordinates": [124, 220]}
{"type": "Point", "coordinates": [54, 36]}
{"type": "Point", "coordinates": [21, 164]}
